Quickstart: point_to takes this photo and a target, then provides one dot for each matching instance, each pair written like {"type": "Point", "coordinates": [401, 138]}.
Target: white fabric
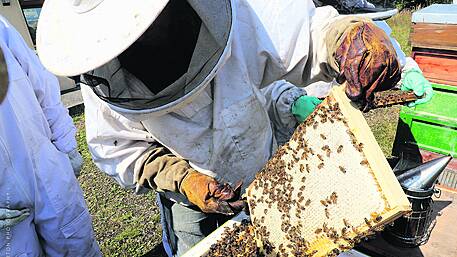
{"type": "Point", "coordinates": [34, 174]}
{"type": "Point", "coordinates": [46, 89]}
{"type": "Point", "coordinates": [92, 40]}
{"type": "Point", "coordinates": [229, 130]}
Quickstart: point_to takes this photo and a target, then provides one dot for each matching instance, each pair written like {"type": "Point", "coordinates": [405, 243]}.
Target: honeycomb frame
{"type": "Point", "coordinates": [304, 202]}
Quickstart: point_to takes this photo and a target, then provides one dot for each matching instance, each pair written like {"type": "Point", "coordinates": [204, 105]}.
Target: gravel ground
{"type": "Point", "coordinates": [129, 225]}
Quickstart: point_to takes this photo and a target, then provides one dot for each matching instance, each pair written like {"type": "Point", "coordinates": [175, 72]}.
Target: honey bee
{"type": "Point", "coordinates": [308, 202]}
{"type": "Point", "coordinates": [364, 162]}
{"type": "Point", "coordinates": [307, 168]}
{"type": "Point", "coordinates": [328, 153]}
{"type": "Point", "coordinates": [320, 157]}
{"type": "Point", "coordinates": [315, 125]}
{"type": "Point", "coordinates": [333, 197]}
{"type": "Point", "coordinates": [342, 169]}
{"type": "Point", "coordinates": [340, 148]}
{"type": "Point", "coordinates": [318, 231]}
{"type": "Point", "coordinates": [327, 214]}
{"type": "Point", "coordinates": [359, 147]}
{"type": "Point", "coordinates": [344, 231]}
{"type": "Point", "coordinates": [325, 228]}
{"type": "Point", "coordinates": [320, 166]}
{"type": "Point", "coordinates": [324, 203]}
{"type": "Point", "coordinates": [378, 218]}
{"type": "Point", "coordinates": [323, 137]}
{"type": "Point", "coordinates": [346, 223]}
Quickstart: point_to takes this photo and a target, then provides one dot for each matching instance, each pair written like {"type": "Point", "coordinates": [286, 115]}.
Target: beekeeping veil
{"type": "Point", "coordinates": [170, 60]}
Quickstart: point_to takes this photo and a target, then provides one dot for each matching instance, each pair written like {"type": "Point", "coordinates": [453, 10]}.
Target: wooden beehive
{"type": "Point", "coordinates": [329, 186]}
{"type": "Point", "coordinates": [434, 42]}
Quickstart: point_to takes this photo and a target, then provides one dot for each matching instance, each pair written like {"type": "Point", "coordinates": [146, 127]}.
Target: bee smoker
{"type": "Point", "coordinates": [419, 186]}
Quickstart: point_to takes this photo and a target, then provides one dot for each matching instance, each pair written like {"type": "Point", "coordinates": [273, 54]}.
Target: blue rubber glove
{"type": "Point", "coordinates": [415, 81]}
{"type": "Point", "coordinates": [304, 106]}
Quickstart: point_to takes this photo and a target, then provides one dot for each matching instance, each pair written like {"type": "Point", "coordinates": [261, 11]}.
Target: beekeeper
{"type": "Point", "coordinates": [42, 209]}
{"type": "Point", "coordinates": [189, 97]}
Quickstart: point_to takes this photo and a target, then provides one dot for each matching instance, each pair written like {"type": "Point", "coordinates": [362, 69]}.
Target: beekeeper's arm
{"type": "Point", "coordinates": [287, 106]}
{"type": "Point", "coordinates": [47, 90]}
{"type": "Point", "coordinates": [356, 52]}
{"type": "Point", "coordinates": [307, 45]}
{"type": "Point", "coordinates": [123, 149]}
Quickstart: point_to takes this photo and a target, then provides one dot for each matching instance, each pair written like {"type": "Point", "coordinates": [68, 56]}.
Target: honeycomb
{"type": "Point", "coordinates": [318, 195]}
{"type": "Point", "coordinates": [237, 241]}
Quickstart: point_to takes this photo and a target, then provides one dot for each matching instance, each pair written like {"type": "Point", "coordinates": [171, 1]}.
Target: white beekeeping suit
{"type": "Point", "coordinates": [240, 94]}
{"type": "Point", "coordinates": [42, 210]}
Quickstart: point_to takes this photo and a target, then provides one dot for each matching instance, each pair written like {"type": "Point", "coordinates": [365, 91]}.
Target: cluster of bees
{"type": "Point", "coordinates": [391, 97]}
{"type": "Point", "coordinates": [274, 187]}
{"type": "Point", "coordinates": [328, 201]}
{"type": "Point", "coordinates": [238, 241]}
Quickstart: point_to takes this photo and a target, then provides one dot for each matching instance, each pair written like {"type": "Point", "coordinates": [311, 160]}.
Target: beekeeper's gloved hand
{"type": "Point", "coordinates": [163, 171]}
{"type": "Point", "coordinates": [364, 57]}
{"type": "Point", "coordinates": [76, 161]}
{"type": "Point", "coordinates": [415, 81]}
{"type": "Point", "coordinates": [211, 196]}
{"type": "Point", "coordinates": [304, 106]}
{"type": "Point", "coordinates": [9, 217]}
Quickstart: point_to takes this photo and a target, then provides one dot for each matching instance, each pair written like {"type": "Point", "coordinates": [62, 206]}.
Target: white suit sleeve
{"type": "Point", "coordinates": [47, 91]}
{"type": "Point", "coordinates": [117, 144]}
{"type": "Point", "coordinates": [280, 96]}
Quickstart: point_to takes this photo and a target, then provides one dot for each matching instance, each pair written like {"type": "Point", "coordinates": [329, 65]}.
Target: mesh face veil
{"type": "Point", "coordinates": [171, 61]}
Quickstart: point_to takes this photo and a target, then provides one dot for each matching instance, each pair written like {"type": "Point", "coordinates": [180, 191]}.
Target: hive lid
{"type": "Point", "coordinates": [437, 13]}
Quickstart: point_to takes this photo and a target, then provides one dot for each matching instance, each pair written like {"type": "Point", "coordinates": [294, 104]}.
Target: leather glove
{"type": "Point", "coordinates": [76, 161]}
{"type": "Point", "coordinates": [9, 218]}
{"type": "Point", "coordinates": [304, 106]}
{"type": "Point", "coordinates": [415, 81]}
{"type": "Point", "coordinates": [210, 196]}
{"type": "Point", "coordinates": [366, 59]}
{"type": "Point", "coordinates": [3, 77]}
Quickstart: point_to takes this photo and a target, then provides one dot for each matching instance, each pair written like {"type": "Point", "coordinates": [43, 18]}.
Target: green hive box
{"type": "Point", "coordinates": [433, 126]}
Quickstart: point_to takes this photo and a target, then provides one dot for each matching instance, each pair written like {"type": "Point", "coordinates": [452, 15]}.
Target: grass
{"type": "Point", "coordinates": [129, 225]}
{"type": "Point", "coordinates": [125, 224]}
{"type": "Point", "coordinates": [401, 28]}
